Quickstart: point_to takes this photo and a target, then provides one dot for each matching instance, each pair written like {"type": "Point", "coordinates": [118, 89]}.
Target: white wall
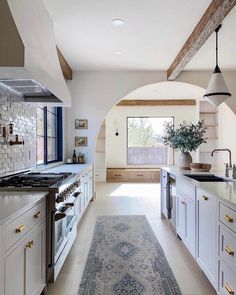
{"type": "Point", "coordinates": [226, 133]}
{"type": "Point", "coordinates": [116, 146]}
{"type": "Point", "coordinates": [94, 94]}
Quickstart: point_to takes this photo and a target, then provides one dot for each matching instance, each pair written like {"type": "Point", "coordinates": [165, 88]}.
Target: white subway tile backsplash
{"type": "Point", "coordinates": [23, 116]}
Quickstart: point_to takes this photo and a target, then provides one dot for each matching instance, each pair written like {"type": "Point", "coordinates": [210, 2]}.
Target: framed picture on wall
{"type": "Point", "coordinates": [81, 124]}
{"type": "Point", "coordinates": [81, 141]}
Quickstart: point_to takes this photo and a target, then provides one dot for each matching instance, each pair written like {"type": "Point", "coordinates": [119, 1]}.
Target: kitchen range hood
{"type": "Point", "coordinates": [29, 63]}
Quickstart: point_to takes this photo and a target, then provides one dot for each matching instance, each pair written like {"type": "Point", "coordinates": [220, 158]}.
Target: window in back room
{"type": "Point", "coordinates": [145, 143]}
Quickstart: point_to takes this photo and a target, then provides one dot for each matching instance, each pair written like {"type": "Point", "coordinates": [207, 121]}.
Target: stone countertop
{"type": "Point", "coordinates": [74, 168]}
{"type": "Point", "coordinates": [14, 202]}
{"type": "Point", "coordinates": [225, 191]}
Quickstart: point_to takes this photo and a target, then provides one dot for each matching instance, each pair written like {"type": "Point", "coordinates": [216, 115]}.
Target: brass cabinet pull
{"type": "Point", "coordinates": [229, 218]}
{"type": "Point", "coordinates": [30, 244]}
{"type": "Point", "coordinates": [205, 198]}
{"type": "Point", "coordinates": [20, 228]}
{"type": "Point", "coordinates": [229, 290]}
{"type": "Point", "coordinates": [139, 174]}
{"type": "Point", "coordinates": [37, 215]}
{"type": "Point", "coordinates": [229, 250]}
{"type": "Point", "coordinates": [117, 175]}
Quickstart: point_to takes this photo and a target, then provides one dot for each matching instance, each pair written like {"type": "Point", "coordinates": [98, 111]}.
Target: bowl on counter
{"type": "Point", "coordinates": [200, 167]}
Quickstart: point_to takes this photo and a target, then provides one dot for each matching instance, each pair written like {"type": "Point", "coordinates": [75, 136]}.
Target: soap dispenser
{"type": "Point", "coordinates": [234, 171]}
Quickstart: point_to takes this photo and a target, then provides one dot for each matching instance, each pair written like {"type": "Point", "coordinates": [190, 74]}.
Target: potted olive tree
{"type": "Point", "coordinates": [186, 138]}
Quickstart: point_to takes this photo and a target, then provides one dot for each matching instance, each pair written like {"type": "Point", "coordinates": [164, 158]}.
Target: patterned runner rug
{"type": "Point", "coordinates": [125, 258]}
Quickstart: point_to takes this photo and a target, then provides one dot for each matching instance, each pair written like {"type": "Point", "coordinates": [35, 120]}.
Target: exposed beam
{"type": "Point", "coordinates": [157, 102]}
{"type": "Point", "coordinates": [66, 69]}
{"type": "Point", "coordinates": [215, 13]}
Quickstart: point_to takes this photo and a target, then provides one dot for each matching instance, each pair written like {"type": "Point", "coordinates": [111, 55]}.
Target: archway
{"type": "Point", "coordinates": [162, 90]}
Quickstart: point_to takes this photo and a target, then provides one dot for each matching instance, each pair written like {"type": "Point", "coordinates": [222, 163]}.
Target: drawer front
{"type": "Point", "coordinates": [228, 247]}
{"type": "Point", "coordinates": [16, 229]}
{"type": "Point", "coordinates": [184, 187]}
{"type": "Point", "coordinates": [227, 280]}
{"type": "Point", "coordinates": [117, 175]}
{"type": "Point", "coordinates": [140, 175]}
{"type": "Point", "coordinates": [228, 217]}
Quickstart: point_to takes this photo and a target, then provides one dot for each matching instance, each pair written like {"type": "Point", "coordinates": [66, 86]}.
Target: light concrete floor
{"type": "Point", "coordinates": [130, 199]}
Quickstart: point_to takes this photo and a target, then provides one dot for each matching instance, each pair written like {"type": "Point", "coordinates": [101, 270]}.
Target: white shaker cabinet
{"type": "Point", "coordinates": [25, 266]}
{"type": "Point", "coordinates": [207, 234]}
{"type": "Point", "coordinates": [186, 222]}
{"type": "Point", "coordinates": [23, 253]}
{"type": "Point", "coordinates": [185, 211]}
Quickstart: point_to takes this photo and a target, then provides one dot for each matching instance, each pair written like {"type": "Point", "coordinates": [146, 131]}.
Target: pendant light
{"type": "Point", "coordinates": [217, 90]}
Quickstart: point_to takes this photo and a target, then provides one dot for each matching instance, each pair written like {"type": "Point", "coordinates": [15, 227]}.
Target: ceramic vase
{"type": "Point", "coordinates": [185, 160]}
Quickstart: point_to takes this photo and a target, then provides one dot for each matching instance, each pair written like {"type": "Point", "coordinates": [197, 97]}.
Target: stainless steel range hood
{"type": "Point", "coordinates": [29, 64]}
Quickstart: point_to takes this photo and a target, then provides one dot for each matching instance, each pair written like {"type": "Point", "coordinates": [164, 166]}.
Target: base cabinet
{"type": "Point", "coordinates": [86, 193]}
{"type": "Point", "coordinates": [25, 267]}
{"type": "Point", "coordinates": [186, 222]}
{"type": "Point", "coordinates": [207, 235]}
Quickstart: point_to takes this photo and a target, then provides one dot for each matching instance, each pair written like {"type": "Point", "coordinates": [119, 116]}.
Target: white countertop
{"type": "Point", "coordinates": [74, 168]}
{"type": "Point", "coordinates": [222, 190]}
{"type": "Point", "coordinates": [12, 203]}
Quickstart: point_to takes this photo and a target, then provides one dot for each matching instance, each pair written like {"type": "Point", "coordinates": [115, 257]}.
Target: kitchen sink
{"type": "Point", "coordinates": [205, 178]}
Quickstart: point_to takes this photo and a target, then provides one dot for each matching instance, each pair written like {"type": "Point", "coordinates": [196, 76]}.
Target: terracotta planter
{"type": "Point", "coordinates": [185, 160]}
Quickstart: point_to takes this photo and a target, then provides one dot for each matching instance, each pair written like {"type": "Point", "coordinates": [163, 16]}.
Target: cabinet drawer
{"type": "Point", "coordinates": [17, 228]}
{"type": "Point", "coordinates": [227, 280]}
{"type": "Point", "coordinates": [140, 175]}
{"type": "Point", "coordinates": [228, 247]}
{"type": "Point", "coordinates": [117, 175]}
{"type": "Point", "coordinates": [228, 217]}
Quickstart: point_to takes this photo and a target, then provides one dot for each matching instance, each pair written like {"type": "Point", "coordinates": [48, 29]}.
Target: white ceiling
{"type": "Point", "coordinates": [205, 57]}
{"type": "Point", "coordinates": [153, 33]}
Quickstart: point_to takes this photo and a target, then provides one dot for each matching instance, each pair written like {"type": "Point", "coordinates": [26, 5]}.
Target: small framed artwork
{"type": "Point", "coordinates": [81, 141]}
{"type": "Point", "coordinates": [81, 124]}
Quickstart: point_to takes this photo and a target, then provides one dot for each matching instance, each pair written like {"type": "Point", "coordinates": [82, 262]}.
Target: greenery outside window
{"type": "Point", "coordinates": [145, 143]}
{"type": "Point", "coordinates": [49, 135]}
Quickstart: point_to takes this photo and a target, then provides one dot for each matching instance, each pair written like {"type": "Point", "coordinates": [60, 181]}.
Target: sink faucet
{"type": "Point", "coordinates": [228, 166]}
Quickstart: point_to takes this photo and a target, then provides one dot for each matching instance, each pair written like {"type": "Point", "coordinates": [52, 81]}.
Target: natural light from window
{"type": "Point", "coordinates": [145, 143]}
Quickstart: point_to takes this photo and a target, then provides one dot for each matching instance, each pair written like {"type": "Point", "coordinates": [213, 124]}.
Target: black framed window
{"type": "Point", "coordinates": [49, 135]}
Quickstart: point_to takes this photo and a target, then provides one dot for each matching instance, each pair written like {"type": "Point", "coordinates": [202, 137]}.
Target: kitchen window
{"type": "Point", "coordinates": [145, 143]}
{"type": "Point", "coordinates": [49, 135]}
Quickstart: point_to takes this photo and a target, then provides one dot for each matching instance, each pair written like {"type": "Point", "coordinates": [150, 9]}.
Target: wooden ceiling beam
{"type": "Point", "coordinates": [66, 69]}
{"type": "Point", "coordinates": [157, 102]}
{"type": "Point", "coordinates": [215, 13]}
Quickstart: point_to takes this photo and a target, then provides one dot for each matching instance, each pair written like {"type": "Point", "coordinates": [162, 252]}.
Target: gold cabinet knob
{"type": "Point", "coordinates": [229, 290]}
{"type": "Point", "coordinates": [37, 215]}
{"type": "Point", "coordinates": [30, 244]}
{"type": "Point", "coordinates": [205, 198]}
{"type": "Point", "coordinates": [20, 228]}
{"type": "Point", "coordinates": [229, 218]}
{"type": "Point", "coordinates": [229, 250]}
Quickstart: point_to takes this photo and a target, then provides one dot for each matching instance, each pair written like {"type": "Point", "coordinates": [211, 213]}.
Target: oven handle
{"type": "Point", "coordinates": [60, 215]}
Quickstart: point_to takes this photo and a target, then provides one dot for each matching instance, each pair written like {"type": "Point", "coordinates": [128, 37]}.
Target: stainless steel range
{"type": "Point", "coordinates": [63, 191]}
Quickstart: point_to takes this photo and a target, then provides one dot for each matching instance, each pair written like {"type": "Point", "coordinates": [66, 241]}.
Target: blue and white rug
{"type": "Point", "coordinates": [125, 258]}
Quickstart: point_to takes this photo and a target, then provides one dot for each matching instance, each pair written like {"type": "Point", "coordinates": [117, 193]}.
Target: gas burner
{"type": "Point", "coordinates": [34, 180]}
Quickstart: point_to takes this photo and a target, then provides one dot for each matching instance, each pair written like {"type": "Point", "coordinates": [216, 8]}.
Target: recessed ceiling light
{"type": "Point", "coordinates": [118, 22]}
{"type": "Point", "coordinates": [118, 52]}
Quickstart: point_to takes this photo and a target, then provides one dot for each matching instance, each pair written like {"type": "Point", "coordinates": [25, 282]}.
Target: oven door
{"type": "Point", "coordinates": [64, 222]}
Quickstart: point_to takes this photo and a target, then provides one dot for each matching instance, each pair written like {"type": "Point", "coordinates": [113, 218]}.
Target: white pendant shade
{"type": "Point", "coordinates": [217, 90]}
